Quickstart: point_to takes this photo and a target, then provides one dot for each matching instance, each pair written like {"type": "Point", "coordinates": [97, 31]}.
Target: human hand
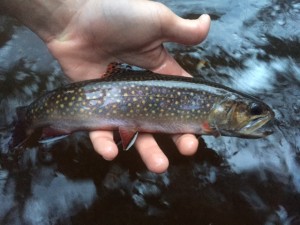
{"type": "Point", "coordinates": [92, 33]}
{"type": "Point", "coordinates": [132, 32]}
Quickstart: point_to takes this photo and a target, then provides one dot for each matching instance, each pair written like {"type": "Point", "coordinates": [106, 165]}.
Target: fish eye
{"type": "Point", "coordinates": [256, 109]}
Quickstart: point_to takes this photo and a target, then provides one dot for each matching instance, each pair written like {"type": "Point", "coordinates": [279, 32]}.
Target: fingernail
{"type": "Point", "coordinates": [204, 18]}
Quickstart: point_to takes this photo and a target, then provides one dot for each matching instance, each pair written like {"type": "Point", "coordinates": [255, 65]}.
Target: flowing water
{"type": "Point", "coordinates": [253, 46]}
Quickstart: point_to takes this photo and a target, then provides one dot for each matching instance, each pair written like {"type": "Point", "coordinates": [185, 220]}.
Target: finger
{"type": "Point", "coordinates": [151, 154]}
{"type": "Point", "coordinates": [187, 144]}
{"type": "Point", "coordinates": [183, 31]}
{"type": "Point", "coordinates": [168, 65]}
{"type": "Point", "coordinates": [104, 144]}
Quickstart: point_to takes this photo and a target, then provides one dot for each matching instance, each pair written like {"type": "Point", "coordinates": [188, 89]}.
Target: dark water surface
{"type": "Point", "coordinates": [253, 46]}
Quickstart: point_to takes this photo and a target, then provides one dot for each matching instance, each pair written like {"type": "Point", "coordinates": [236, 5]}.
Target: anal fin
{"type": "Point", "coordinates": [52, 134]}
{"type": "Point", "coordinates": [52, 139]}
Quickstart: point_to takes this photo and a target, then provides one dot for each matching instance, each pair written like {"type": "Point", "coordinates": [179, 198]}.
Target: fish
{"type": "Point", "coordinates": [134, 101]}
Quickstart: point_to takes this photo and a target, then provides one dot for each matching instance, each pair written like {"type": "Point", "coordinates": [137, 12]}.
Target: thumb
{"type": "Point", "coordinates": [185, 31]}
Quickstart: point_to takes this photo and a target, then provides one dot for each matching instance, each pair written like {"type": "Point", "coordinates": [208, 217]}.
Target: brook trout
{"type": "Point", "coordinates": [133, 101]}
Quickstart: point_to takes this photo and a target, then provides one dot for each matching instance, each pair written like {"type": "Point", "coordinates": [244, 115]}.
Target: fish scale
{"type": "Point", "coordinates": [127, 101]}
{"type": "Point", "coordinates": [142, 101]}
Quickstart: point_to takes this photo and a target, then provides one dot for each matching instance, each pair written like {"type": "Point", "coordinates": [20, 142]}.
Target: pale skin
{"type": "Point", "coordinates": [86, 35]}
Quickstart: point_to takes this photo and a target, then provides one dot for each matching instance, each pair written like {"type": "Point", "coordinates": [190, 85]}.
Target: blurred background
{"type": "Point", "coordinates": [253, 46]}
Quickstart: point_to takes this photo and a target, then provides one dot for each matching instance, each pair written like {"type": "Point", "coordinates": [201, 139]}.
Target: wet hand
{"type": "Point", "coordinates": [130, 31]}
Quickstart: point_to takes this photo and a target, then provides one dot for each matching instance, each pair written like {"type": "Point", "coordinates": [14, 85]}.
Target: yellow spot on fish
{"type": "Point", "coordinates": [70, 91]}
{"type": "Point", "coordinates": [62, 106]}
{"type": "Point", "coordinates": [66, 98]}
{"type": "Point", "coordinates": [70, 103]}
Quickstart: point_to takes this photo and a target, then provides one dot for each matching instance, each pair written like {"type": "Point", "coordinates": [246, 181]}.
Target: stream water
{"type": "Point", "coordinates": [253, 46]}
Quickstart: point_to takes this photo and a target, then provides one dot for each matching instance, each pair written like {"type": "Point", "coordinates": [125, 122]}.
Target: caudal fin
{"type": "Point", "coordinates": [20, 132]}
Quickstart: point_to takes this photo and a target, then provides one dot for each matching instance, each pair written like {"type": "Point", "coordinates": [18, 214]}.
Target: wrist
{"type": "Point", "coordinates": [47, 18]}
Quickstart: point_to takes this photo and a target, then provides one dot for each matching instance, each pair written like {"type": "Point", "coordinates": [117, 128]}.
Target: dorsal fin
{"type": "Point", "coordinates": [116, 68]}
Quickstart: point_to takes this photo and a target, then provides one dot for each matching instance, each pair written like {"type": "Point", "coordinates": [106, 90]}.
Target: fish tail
{"type": "Point", "coordinates": [20, 134]}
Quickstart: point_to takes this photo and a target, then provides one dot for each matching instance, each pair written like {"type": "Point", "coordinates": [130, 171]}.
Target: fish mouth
{"type": "Point", "coordinates": [255, 128]}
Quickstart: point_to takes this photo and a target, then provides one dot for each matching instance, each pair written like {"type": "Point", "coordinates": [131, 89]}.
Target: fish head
{"type": "Point", "coordinates": [241, 117]}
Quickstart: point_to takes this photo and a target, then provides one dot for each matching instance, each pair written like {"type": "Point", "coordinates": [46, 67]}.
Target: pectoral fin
{"type": "Point", "coordinates": [128, 137]}
{"type": "Point", "coordinates": [208, 129]}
